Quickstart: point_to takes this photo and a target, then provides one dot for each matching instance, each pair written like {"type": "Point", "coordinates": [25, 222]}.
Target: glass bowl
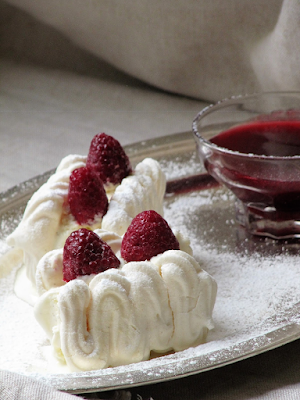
{"type": "Point", "coordinates": [251, 144]}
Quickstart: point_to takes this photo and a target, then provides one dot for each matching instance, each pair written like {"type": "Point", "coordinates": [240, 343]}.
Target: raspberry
{"type": "Point", "coordinates": [85, 254]}
{"type": "Point", "coordinates": [86, 197]}
{"type": "Point", "coordinates": [148, 235]}
{"type": "Point", "coordinates": [107, 157]}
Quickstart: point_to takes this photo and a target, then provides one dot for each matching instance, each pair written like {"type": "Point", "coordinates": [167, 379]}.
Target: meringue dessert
{"type": "Point", "coordinates": [141, 305]}
{"type": "Point", "coordinates": [109, 281]}
{"type": "Point", "coordinates": [68, 200]}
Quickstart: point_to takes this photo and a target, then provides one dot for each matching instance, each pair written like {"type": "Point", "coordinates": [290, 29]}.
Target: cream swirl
{"type": "Point", "coordinates": [139, 192]}
{"type": "Point", "coordinates": [40, 228]}
{"type": "Point", "coordinates": [120, 316]}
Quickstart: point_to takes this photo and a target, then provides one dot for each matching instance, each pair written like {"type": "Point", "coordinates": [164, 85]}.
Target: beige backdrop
{"type": "Point", "coordinates": [204, 49]}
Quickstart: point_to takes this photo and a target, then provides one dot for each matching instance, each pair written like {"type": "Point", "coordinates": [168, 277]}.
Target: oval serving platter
{"type": "Point", "coordinates": [257, 307]}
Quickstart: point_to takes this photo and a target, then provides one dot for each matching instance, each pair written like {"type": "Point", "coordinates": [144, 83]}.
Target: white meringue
{"type": "Point", "coordinates": [121, 315]}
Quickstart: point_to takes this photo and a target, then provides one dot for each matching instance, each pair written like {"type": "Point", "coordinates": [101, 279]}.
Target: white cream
{"type": "Point", "coordinates": [139, 192]}
{"type": "Point", "coordinates": [40, 229]}
{"type": "Point", "coordinates": [46, 223]}
{"type": "Point", "coordinates": [121, 315]}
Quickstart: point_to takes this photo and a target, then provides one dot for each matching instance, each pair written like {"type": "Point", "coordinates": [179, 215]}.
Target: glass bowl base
{"type": "Point", "coordinates": [259, 219]}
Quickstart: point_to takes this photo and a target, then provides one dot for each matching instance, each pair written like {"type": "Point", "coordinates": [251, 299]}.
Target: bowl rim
{"type": "Point", "coordinates": [230, 100]}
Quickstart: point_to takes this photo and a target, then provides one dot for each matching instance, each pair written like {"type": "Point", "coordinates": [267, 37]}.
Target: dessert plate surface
{"type": "Point", "coordinates": [257, 307]}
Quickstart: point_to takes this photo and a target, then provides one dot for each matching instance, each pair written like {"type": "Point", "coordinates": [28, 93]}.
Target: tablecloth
{"type": "Point", "coordinates": [54, 96]}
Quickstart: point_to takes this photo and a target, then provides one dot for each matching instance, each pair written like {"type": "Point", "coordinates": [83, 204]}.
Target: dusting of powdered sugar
{"type": "Point", "coordinates": [19, 333]}
{"type": "Point", "coordinates": [253, 285]}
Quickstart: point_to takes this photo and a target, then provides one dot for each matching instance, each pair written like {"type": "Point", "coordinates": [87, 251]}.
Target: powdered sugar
{"type": "Point", "coordinates": [19, 335]}
{"type": "Point", "coordinates": [256, 278]}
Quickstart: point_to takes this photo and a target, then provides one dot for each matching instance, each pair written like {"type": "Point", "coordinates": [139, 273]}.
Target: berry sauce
{"type": "Point", "coordinates": [270, 138]}
{"type": "Point", "coordinates": [270, 181]}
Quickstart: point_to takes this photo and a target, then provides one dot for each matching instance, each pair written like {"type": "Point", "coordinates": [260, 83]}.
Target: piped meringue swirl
{"type": "Point", "coordinates": [120, 316]}
{"type": "Point", "coordinates": [139, 192]}
{"type": "Point", "coordinates": [40, 229]}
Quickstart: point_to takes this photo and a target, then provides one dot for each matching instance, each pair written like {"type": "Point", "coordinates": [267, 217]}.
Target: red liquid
{"type": "Point", "coordinates": [272, 138]}
{"type": "Point", "coordinates": [272, 183]}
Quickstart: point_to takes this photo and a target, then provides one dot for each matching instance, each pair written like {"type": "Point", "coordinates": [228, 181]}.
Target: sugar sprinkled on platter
{"type": "Point", "coordinates": [253, 285]}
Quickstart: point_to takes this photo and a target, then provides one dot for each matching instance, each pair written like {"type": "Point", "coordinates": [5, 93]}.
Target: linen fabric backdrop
{"type": "Point", "coordinates": [203, 49]}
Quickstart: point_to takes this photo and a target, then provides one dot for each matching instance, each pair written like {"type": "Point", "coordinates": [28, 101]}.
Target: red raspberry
{"type": "Point", "coordinates": [85, 254]}
{"type": "Point", "coordinates": [148, 235]}
{"type": "Point", "coordinates": [107, 157]}
{"type": "Point", "coordinates": [86, 197]}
